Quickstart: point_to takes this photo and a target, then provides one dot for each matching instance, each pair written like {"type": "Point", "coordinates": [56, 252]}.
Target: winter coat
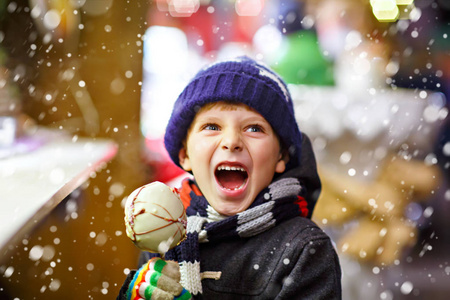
{"type": "Point", "coordinates": [294, 260]}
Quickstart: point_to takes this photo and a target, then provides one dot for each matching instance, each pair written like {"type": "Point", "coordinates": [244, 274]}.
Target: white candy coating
{"type": "Point", "coordinates": [155, 217]}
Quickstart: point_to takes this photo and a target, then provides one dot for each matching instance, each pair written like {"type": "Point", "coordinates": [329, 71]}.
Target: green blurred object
{"type": "Point", "coordinates": [301, 62]}
{"type": "Point", "coordinates": [3, 4]}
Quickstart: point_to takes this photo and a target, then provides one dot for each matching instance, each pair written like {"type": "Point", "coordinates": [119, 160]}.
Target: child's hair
{"type": "Point", "coordinates": [240, 80]}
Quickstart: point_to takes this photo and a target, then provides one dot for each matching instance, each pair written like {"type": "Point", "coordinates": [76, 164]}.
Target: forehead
{"type": "Point", "coordinates": [225, 105]}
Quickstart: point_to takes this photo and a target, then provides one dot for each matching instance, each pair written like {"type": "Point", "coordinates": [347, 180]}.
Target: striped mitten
{"type": "Point", "coordinates": [157, 280]}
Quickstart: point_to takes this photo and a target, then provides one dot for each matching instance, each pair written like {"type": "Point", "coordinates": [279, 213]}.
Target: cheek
{"type": "Point", "coordinates": [198, 148]}
{"type": "Point", "coordinates": [266, 153]}
{"type": "Point", "coordinates": [206, 144]}
{"type": "Point", "coordinates": [265, 159]}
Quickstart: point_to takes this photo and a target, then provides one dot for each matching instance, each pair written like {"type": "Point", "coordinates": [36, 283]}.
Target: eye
{"type": "Point", "coordinates": [254, 128]}
{"type": "Point", "coordinates": [210, 126]}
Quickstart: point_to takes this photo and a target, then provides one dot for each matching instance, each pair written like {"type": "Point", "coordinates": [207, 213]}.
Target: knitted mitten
{"type": "Point", "coordinates": [157, 280]}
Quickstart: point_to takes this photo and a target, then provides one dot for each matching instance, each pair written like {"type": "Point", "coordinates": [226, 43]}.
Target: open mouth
{"type": "Point", "coordinates": [231, 177]}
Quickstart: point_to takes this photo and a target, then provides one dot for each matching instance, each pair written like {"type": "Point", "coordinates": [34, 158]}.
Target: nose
{"type": "Point", "coordinates": [231, 141]}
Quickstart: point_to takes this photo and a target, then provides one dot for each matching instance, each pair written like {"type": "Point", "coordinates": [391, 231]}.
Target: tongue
{"type": "Point", "coordinates": [231, 179]}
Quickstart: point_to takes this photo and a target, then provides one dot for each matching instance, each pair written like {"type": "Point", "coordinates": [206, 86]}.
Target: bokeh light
{"type": "Point", "coordinates": [385, 10]}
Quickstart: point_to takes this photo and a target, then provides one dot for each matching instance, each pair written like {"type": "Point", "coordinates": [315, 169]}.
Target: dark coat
{"type": "Point", "coordinates": [294, 260]}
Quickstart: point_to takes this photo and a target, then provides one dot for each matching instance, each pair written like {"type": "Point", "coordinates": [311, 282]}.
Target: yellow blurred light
{"type": "Point", "coordinates": [385, 10]}
{"type": "Point", "coordinates": [404, 2]}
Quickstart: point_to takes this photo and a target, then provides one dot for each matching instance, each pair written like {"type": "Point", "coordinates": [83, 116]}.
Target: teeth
{"type": "Point", "coordinates": [227, 168]}
{"type": "Point", "coordinates": [235, 189]}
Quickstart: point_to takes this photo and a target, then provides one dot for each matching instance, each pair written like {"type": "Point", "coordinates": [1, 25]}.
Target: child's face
{"type": "Point", "coordinates": [233, 153]}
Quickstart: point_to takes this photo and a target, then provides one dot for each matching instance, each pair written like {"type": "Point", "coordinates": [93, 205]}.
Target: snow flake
{"type": "Point", "coordinates": [54, 285]}
{"type": "Point", "coordinates": [8, 272]}
{"type": "Point", "coordinates": [36, 253]}
{"type": "Point", "coordinates": [406, 288]}
{"type": "Point", "coordinates": [90, 266]}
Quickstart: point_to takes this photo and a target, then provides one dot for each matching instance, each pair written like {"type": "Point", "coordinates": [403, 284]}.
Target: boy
{"type": "Point", "coordinates": [249, 233]}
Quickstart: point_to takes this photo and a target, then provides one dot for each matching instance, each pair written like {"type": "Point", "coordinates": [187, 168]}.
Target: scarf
{"type": "Point", "coordinates": [283, 199]}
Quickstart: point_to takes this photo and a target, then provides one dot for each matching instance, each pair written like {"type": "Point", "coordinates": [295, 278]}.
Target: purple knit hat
{"type": "Point", "coordinates": [242, 80]}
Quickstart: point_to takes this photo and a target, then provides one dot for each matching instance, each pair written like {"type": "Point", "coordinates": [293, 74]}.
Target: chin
{"type": "Point", "coordinates": [228, 210]}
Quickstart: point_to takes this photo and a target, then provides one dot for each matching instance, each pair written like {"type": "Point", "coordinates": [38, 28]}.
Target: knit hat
{"type": "Point", "coordinates": [241, 80]}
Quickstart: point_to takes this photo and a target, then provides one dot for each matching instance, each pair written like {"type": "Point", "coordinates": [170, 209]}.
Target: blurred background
{"type": "Point", "coordinates": [370, 81]}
